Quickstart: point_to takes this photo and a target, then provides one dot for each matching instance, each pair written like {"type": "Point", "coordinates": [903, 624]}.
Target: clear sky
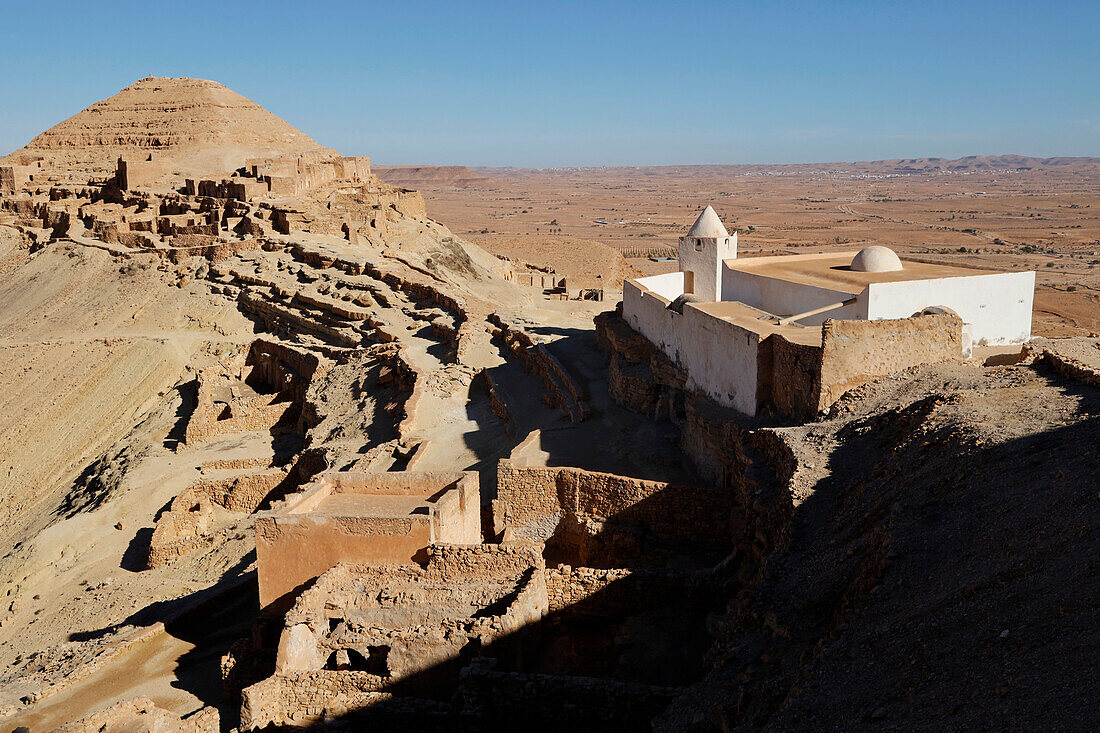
{"type": "Point", "coordinates": [590, 83]}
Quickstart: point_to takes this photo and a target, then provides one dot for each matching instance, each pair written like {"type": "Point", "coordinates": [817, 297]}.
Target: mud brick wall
{"type": "Point", "coordinates": [305, 697]}
{"type": "Point", "coordinates": [857, 352]}
{"type": "Point", "coordinates": [616, 592]}
{"type": "Point", "coordinates": [531, 502]}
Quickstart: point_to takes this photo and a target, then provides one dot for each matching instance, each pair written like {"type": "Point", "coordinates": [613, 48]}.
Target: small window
{"type": "Point", "coordinates": [698, 246]}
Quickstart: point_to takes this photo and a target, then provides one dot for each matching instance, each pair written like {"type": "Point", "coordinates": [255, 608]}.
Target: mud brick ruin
{"type": "Point", "coordinates": [350, 517]}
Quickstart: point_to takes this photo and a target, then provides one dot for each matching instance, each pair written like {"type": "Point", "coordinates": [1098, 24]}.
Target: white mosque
{"type": "Point", "coordinates": [700, 314]}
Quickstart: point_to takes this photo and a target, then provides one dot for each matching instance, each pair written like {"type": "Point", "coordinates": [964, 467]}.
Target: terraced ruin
{"type": "Point", "coordinates": [282, 451]}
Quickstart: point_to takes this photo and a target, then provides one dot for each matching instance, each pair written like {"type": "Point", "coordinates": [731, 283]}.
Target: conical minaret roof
{"type": "Point", "coordinates": [708, 225]}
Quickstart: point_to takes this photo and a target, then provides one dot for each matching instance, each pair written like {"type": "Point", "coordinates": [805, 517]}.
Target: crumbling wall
{"type": "Point", "coordinates": [281, 373]}
{"type": "Point", "coordinates": [562, 391]}
{"type": "Point", "coordinates": [600, 518]}
{"type": "Point", "coordinates": [143, 714]}
{"type": "Point", "coordinates": [193, 522]}
{"type": "Point", "coordinates": [1066, 364]}
{"type": "Point", "coordinates": [857, 352]}
{"type": "Point", "coordinates": [794, 383]}
{"type": "Point", "coordinates": [617, 592]}
{"type": "Point", "coordinates": [302, 698]}
{"type": "Point", "coordinates": [407, 627]}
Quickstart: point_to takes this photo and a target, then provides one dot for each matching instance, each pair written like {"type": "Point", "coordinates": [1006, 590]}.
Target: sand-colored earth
{"type": "Point", "coordinates": [195, 125]}
{"type": "Point", "coordinates": [932, 569]}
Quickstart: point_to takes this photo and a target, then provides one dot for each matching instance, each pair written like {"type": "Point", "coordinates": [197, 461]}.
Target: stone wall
{"type": "Point", "coordinates": [193, 522]}
{"type": "Point", "coordinates": [562, 390]}
{"type": "Point", "coordinates": [793, 386]}
{"type": "Point", "coordinates": [617, 592]}
{"type": "Point", "coordinates": [142, 714]}
{"type": "Point", "coordinates": [303, 698]}
{"type": "Point", "coordinates": [283, 371]}
{"type": "Point", "coordinates": [597, 518]}
{"type": "Point", "coordinates": [237, 493]}
{"type": "Point", "coordinates": [405, 629]}
{"type": "Point", "coordinates": [857, 352]}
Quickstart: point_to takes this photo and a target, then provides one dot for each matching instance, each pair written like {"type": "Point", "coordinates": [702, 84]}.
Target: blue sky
{"type": "Point", "coordinates": [590, 83]}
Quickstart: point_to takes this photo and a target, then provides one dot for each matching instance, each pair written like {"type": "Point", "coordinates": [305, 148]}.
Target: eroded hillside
{"type": "Point", "coordinates": [938, 568]}
{"type": "Point", "coordinates": [190, 361]}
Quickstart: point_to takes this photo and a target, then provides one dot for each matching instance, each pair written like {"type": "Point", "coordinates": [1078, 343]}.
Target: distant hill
{"type": "Point", "coordinates": [201, 127]}
{"type": "Point", "coordinates": [977, 163]}
{"type": "Point", "coordinates": [430, 176]}
{"type": "Point", "coordinates": [899, 166]}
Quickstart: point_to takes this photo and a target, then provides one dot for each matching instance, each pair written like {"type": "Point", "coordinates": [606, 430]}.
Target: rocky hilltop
{"type": "Point", "coordinates": [198, 127]}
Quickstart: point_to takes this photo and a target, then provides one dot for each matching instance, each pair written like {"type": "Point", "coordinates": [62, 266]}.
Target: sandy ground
{"type": "Point", "coordinates": [94, 351]}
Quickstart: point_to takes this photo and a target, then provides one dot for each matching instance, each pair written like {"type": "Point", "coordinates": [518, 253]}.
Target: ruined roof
{"type": "Point", "coordinates": [708, 225]}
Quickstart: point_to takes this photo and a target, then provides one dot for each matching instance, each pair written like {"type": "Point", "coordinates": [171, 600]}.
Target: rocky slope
{"type": "Point", "coordinates": [939, 566]}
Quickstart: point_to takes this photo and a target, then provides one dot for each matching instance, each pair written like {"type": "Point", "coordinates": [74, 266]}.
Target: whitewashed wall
{"type": "Point", "coordinates": [997, 306]}
{"type": "Point", "coordinates": [783, 298]}
{"type": "Point", "coordinates": [706, 263]}
{"type": "Point", "coordinates": [719, 357]}
{"type": "Point", "coordinates": [669, 286]}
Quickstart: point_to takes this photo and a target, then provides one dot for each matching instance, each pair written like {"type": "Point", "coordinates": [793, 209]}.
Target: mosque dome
{"type": "Point", "coordinates": [708, 226]}
{"type": "Point", "coordinates": [876, 259]}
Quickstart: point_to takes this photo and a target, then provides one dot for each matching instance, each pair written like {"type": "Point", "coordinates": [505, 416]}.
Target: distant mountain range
{"type": "Point", "coordinates": [899, 166]}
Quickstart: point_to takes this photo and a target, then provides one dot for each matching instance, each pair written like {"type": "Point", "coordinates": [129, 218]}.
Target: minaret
{"type": "Point", "coordinates": [702, 250]}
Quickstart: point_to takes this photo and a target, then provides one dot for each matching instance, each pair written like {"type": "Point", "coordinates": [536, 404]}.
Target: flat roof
{"type": "Point", "coordinates": [370, 505]}
{"type": "Point", "coordinates": [759, 322]}
{"type": "Point", "coordinates": [831, 270]}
